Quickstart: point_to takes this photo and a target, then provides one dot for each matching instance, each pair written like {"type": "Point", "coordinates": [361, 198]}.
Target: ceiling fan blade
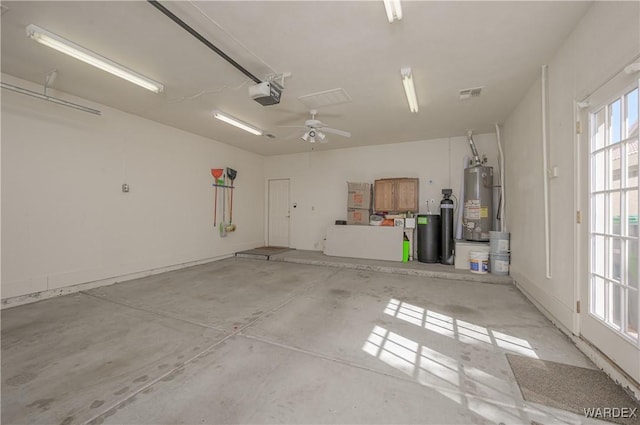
{"type": "Point", "coordinates": [292, 126]}
{"type": "Point", "coordinates": [297, 116]}
{"type": "Point", "coordinates": [338, 132]}
{"type": "Point", "coordinates": [292, 136]}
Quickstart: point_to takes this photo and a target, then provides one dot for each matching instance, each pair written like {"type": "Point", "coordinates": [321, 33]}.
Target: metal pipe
{"type": "Point", "coordinates": [476, 158]}
{"type": "Point", "coordinates": [545, 177]}
{"type": "Point", "coordinates": [503, 219]}
{"type": "Point", "coordinates": [203, 40]}
{"type": "Point", "coordinates": [49, 98]}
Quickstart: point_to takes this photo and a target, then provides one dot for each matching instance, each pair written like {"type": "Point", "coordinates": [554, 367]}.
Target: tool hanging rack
{"type": "Point", "coordinates": [226, 186]}
{"type": "Point", "coordinates": [221, 175]}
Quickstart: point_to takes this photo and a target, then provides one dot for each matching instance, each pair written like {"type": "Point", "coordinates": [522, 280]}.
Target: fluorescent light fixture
{"type": "Point", "coordinates": [393, 9]}
{"type": "Point", "coordinates": [65, 46]}
{"type": "Point", "coordinates": [236, 122]}
{"type": "Point", "coordinates": [409, 89]}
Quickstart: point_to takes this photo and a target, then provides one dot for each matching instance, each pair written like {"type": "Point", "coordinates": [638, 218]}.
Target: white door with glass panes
{"type": "Point", "coordinates": [609, 233]}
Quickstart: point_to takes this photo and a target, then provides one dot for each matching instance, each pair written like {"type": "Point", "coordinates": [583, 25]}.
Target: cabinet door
{"type": "Point", "coordinates": [407, 195]}
{"type": "Point", "coordinates": [383, 197]}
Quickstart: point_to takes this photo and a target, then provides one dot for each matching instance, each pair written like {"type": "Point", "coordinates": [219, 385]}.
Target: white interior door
{"type": "Point", "coordinates": [279, 213]}
{"type": "Point", "coordinates": [609, 234]}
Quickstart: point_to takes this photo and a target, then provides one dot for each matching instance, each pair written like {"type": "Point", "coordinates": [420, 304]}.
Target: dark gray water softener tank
{"type": "Point", "coordinates": [428, 238]}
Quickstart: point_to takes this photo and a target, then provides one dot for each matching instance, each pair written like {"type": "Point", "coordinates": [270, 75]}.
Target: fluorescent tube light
{"type": "Point", "coordinates": [236, 122]}
{"type": "Point", "coordinates": [393, 9]}
{"type": "Point", "coordinates": [65, 46]}
{"type": "Point", "coordinates": [409, 89]}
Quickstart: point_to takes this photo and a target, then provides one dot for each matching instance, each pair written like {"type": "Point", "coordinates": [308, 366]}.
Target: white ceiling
{"type": "Point", "coordinates": [325, 45]}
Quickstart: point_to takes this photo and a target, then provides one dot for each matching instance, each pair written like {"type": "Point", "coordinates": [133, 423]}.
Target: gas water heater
{"type": "Point", "coordinates": [477, 219]}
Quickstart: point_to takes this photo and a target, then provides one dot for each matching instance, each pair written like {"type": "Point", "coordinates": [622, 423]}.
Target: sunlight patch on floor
{"type": "Point", "coordinates": [480, 392]}
{"type": "Point", "coordinates": [461, 330]}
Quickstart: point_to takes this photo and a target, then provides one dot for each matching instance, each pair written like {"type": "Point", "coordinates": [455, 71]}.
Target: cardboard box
{"type": "Point", "coordinates": [359, 196]}
{"type": "Point", "coordinates": [358, 216]}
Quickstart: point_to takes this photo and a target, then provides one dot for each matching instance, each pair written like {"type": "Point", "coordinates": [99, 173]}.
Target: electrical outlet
{"type": "Point", "coordinates": [125, 187]}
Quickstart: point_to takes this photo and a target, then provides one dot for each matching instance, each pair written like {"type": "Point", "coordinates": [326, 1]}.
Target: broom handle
{"type": "Point", "coordinates": [215, 209]}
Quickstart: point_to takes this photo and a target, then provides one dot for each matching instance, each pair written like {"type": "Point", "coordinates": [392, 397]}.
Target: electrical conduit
{"type": "Point", "coordinates": [545, 165]}
{"type": "Point", "coordinates": [503, 219]}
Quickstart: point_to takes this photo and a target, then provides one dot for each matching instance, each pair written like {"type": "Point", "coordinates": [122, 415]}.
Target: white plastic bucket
{"type": "Point", "coordinates": [499, 242]}
{"type": "Point", "coordinates": [499, 264]}
{"type": "Point", "coordinates": [479, 262]}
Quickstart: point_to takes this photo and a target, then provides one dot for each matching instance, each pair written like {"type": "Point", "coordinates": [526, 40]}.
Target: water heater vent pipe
{"type": "Point", "coordinates": [476, 158]}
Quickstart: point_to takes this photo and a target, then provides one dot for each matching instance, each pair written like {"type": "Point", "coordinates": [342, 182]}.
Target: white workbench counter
{"type": "Point", "coordinates": [370, 242]}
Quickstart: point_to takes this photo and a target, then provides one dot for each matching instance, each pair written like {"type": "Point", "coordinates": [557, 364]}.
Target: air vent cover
{"type": "Point", "coordinates": [325, 98]}
{"type": "Point", "coordinates": [470, 93]}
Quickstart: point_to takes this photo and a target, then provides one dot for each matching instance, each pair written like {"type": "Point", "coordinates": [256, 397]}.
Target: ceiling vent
{"type": "Point", "coordinates": [325, 98]}
{"type": "Point", "coordinates": [470, 93]}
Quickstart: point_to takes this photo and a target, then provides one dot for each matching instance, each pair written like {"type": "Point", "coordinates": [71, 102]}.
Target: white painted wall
{"type": "Point", "coordinates": [65, 220]}
{"type": "Point", "coordinates": [605, 40]}
{"type": "Point", "coordinates": [319, 178]}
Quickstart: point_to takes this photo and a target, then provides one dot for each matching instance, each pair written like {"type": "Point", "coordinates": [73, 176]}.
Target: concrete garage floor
{"type": "Point", "coordinates": [249, 341]}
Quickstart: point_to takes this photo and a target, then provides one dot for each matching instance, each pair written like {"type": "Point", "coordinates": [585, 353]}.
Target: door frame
{"type": "Point", "coordinates": [594, 331]}
{"type": "Point", "coordinates": [268, 210]}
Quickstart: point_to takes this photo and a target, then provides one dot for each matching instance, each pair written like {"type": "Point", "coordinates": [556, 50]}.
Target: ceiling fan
{"type": "Point", "coordinates": [316, 129]}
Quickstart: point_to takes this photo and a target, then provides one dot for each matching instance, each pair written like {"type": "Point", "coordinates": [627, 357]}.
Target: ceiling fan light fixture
{"type": "Point", "coordinates": [409, 89]}
{"type": "Point", "coordinates": [305, 136]}
{"type": "Point", "coordinates": [67, 47]}
{"type": "Point", "coordinates": [236, 123]}
{"type": "Point", "coordinates": [393, 9]}
{"type": "Point", "coordinates": [312, 135]}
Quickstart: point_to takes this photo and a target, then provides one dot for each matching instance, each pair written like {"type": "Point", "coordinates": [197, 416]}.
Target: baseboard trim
{"type": "Point", "coordinates": [51, 293]}
{"type": "Point", "coordinates": [556, 311]}
{"type": "Point", "coordinates": [601, 361]}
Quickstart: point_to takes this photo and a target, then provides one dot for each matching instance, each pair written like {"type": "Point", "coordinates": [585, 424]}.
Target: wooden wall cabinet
{"type": "Point", "coordinates": [396, 195]}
